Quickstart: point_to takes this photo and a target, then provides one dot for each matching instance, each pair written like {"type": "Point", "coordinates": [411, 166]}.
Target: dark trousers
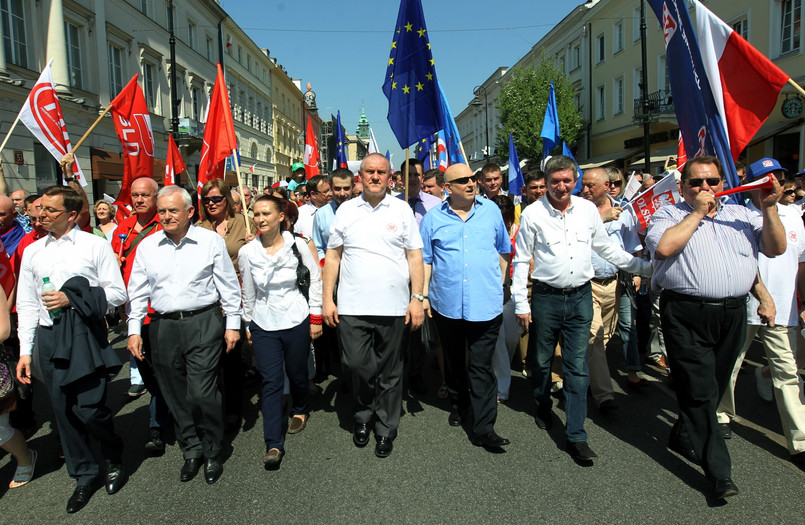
{"type": "Point", "coordinates": [79, 409]}
{"type": "Point", "coordinates": [232, 376]}
{"type": "Point", "coordinates": [415, 352]}
{"type": "Point", "coordinates": [471, 383]}
{"type": "Point", "coordinates": [186, 353]}
{"type": "Point", "coordinates": [373, 358]}
{"type": "Point", "coordinates": [278, 353]}
{"type": "Point", "coordinates": [703, 342]}
{"type": "Point", "coordinates": [568, 315]}
{"type": "Point", "coordinates": [159, 416]}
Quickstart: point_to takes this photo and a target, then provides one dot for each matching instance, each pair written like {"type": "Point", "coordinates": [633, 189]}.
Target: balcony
{"type": "Point", "coordinates": [659, 103]}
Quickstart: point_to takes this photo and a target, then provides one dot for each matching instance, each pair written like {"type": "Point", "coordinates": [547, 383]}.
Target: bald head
{"type": "Point", "coordinates": [7, 213]}
{"type": "Point", "coordinates": [144, 198]}
{"type": "Point", "coordinates": [457, 171]}
{"type": "Point", "coordinates": [597, 174]}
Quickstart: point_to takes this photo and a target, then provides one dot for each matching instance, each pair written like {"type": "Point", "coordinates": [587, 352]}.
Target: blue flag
{"type": "Point", "coordinates": [516, 181]}
{"type": "Point", "coordinates": [410, 84]}
{"type": "Point", "coordinates": [550, 125]}
{"type": "Point", "coordinates": [423, 151]}
{"type": "Point", "coordinates": [567, 153]}
{"type": "Point", "coordinates": [452, 138]}
{"type": "Point", "coordinates": [340, 146]}
{"type": "Point", "coordinates": [388, 158]}
{"type": "Point", "coordinates": [699, 121]}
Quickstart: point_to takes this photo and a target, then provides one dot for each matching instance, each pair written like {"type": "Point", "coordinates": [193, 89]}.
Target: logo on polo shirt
{"type": "Point", "coordinates": [792, 236]}
{"type": "Point", "coordinates": [391, 227]}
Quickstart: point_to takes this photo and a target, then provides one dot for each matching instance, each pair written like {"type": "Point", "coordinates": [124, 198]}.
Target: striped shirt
{"type": "Point", "coordinates": [719, 260]}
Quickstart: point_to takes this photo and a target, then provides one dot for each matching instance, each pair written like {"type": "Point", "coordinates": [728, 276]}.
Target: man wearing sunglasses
{"type": "Point", "coordinates": [778, 333]}
{"type": "Point", "coordinates": [319, 193]}
{"type": "Point", "coordinates": [705, 257]}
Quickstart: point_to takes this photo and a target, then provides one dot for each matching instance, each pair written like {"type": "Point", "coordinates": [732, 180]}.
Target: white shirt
{"type": "Point", "coordinates": [374, 272]}
{"type": "Point", "coordinates": [77, 253]}
{"type": "Point", "coordinates": [190, 275]}
{"type": "Point", "coordinates": [779, 274]}
{"type": "Point", "coordinates": [561, 245]}
{"type": "Point", "coordinates": [304, 224]}
{"type": "Point", "coordinates": [271, 297]}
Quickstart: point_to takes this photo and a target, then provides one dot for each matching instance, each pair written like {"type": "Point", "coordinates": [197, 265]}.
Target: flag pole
{"type": "Point", "coordinates": [240, 190]}
{"type": "Point", "coordinates": [405, 175]}
{"type": "Point", "coordinates": [97, 121]}
{"type": "Point", "coordinates": [8, 135]}
{"type": "Point", "coordinates": [790, 81]}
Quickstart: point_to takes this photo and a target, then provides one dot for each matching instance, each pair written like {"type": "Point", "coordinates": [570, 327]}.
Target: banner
{"type": "Point", "coordinates": [311, 159]}
{"type": "Point", "coordinates": [660, 194]}
{"type": "Point", "coordinates": [133, 127]}
{"type": "Point", "coordinates": [219, 134]}
{"type": "Point", "coordinates": [174, 163]}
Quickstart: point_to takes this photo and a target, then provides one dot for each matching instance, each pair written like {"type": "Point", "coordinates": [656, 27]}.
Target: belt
{"type": "Point", "coordinates": [558, 291]}
{"type": "Point", "coordinates": [727, 302]}
{"type": "Point", "coordinates": [181, 315]}
{"type": "Point", "coordinates": [605, 280]}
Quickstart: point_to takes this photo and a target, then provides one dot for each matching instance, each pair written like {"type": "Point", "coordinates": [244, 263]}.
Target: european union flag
{"type": "Point", "coordinates": [341, 146]}
{"type": "Point", "coordinates": [550, 125]}
{"type": "Point", "coordinates": [410, 84]}
{"type": "Point", "coordinates": [423, 151]}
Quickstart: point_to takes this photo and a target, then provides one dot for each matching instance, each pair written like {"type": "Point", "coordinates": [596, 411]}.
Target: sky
{"type": "Point", "coordinates": [342, 48]}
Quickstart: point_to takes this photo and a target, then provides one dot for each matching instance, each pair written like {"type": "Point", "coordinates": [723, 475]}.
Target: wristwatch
{"type": "Point", "coordinates": [419, 297]}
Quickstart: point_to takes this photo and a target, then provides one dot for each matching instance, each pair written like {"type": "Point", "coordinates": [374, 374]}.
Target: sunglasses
{"type": "Point", "coordinates": [790, 192]}
{"type": "Point", "coordinates": [616, 183]}
{"type": "Point", "coordinates": [711, 181]}
{"type": "Point", "coordinates": [462, 180]}
{"type": "Point", "coordinates": [217, 199]}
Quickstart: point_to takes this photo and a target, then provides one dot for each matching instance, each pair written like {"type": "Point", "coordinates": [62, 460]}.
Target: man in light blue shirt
{"type": "Point", "coordinates": [341, 181]}
{"type": "Point", "coordinates": [466, 254]}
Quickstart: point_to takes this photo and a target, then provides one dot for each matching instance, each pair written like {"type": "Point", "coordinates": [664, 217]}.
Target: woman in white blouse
{"type": "Point", "coordinates": [280, 320]}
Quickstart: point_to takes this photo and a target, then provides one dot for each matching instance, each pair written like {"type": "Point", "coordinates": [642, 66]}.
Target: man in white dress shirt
{"type": "Point", "coordinates": [185, 272]}
{"type": "Point", "coordinates": [79, 403]}
{"type": "Point", "coordinates": [375, 245]}
{"type": "Point", "coordinates": [320, 193]}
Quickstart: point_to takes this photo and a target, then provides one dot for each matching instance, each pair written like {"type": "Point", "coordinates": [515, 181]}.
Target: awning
{"type": "Point", "coordinates": [659, 156]}
{"type": "Point", "coordinates": [773, 131]}
{"type": "Point", "coordinates": [608, 158]}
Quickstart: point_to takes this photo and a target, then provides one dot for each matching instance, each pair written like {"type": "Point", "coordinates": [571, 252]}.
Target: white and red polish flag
{"type": "Point", "coordinates": [219, 134]}
{"type": "Point", "coordinates": [660, 194]}
{"type": "Point", "coordinates": [42, 115]}
{"type": "Point", "coordinates": [311, 159]}
{"type": "Point", "coordinates": [174, 163]}
{"type": "Point", "coordinates": [133, 127]}
{"type": "Point", "coordinates": [745, 84]}
{"type": "Point", "coordinates": [441, 151]}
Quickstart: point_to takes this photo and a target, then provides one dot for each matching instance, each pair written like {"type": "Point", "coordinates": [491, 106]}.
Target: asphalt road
{"type": "Point", "coordinates": [434, 475]}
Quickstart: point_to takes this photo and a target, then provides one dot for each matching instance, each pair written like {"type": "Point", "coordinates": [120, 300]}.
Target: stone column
{"type": "Point", "coordinates": [57, 47]}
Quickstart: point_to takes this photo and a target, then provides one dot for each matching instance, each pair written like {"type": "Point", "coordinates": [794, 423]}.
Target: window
{"type": "Point", "coordinates": [209, 49]}
{"type": "Point", "coordinates": [636, 24]}
{"type": "Point", "coordinates": [790, 29]}
{"type": "Point", "coordinates": [617, 37]}
{"type": "Point", "coordinates": [617, 94]}
{"type": "Point", "coordinates": [600, 48]}
{"type": "Point", "coordinates": [741, 26]}
{"type": "Point", "coordinates": [560, 63]}
{"type": "Point", "coordinates": [14, 42]}
{"type": "Point", "coordinates": [600, 113]}
{"type": "Point", "coordinates": [240, 58]}
{"type": "Point", "coordinates": [195, 100]}
{"type": "Point", "coordinates": [149, 84]}
{"type": "Point", "coordinates": [191, 34]}
{"type": "Point", "coordinates": [144, 7]}
{"type": "Point", "coordinates": [115, 70]}
{"type": "Point", "coordinates": [637, 78]}
{"type": "Point", "coordinates": [248, 62]}
{"type": "Point", "coordinates": [663, 79]}
{"type": "Point", "coordinates": [575, 56]}
{"type": "Point", "coordinates": [72, 34]}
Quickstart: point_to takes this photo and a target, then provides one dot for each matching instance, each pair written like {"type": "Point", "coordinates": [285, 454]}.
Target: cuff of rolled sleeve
{"type": "Point", "coordinates": [315, 310]}
{"type": "Point", "coordinates": [233, 322]}
{"type": "Point", "coordinates": [135, 326]}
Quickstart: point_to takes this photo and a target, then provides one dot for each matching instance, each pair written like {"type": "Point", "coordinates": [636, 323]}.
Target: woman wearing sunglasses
{"type": "Point", "coordinates": [218, 214]}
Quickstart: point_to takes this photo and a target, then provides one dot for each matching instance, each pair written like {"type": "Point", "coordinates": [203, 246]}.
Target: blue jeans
{"type": "Point", "coordinates": [627, 328]}
{"type": "Point", "coordinates": [569, 315]}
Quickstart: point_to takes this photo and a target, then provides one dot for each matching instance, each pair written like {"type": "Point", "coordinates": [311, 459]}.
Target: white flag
{"type": "Point", "coordinates": [372, 142]}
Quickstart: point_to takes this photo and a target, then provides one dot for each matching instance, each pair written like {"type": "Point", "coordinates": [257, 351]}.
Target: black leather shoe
{"type": "Point", "coordinates": [725, 430]}
{"type": "Point", "coordinates": [155, 446]}
{"type": "Point", "coordinates": [544, 419]}
{"type": "Point", "coordinates": [213, 470]}
{"type": "Point", "coordinates": [190, 468]}
{"type": "Point", "coordinates": [490, 440]}
{"type": "Point", "coordinates": [116, 477]}
{"type": "Point", "coordinates": [724, 488]}
{"type": "Point", "coordinates": [580, 451]}
{"type": "Point", "coordinates": [81, 496]}
{"type": "Point", "coordinates": [384, 447]}
{"type": "Point", "coordinates": [454, 419]}
{"type": "Point", "coordinates": [360, 434]}
{"type": "Point", "coordinates": [607, 405]}
{"type": "Point", "coordinates": [686, 452]}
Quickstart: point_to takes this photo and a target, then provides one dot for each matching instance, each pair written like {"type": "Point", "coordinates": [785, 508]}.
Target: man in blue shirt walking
{"type": "Point", "coordinates": [466, 255]}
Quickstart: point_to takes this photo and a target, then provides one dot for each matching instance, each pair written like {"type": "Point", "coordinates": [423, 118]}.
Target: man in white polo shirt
{"type": "Point", "coordinates": [375, 244]}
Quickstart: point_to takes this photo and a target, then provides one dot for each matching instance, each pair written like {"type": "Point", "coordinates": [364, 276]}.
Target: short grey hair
{"type": "Point", "coordinates": [369, 156]}
{"type": "Point", "coordinates": [560, 163]}
{"type": "Point", "coordinates": [170, 190]}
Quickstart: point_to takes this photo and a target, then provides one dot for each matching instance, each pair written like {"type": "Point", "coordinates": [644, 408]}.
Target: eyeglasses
{"type": "Point", "coordinates": [790, 192]}
{"type": "Point", "coordinates": [217, 199]}
{"type": "Point", "coordinates": [53, 211]}
{"type": "Point", "coordinates": [711, 181]}
{"type": "Point", "coordinates": [462, 180]}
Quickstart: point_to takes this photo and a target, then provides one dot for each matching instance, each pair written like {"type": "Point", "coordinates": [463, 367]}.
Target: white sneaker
{"type": "Point", "coordinates": [764, 386]}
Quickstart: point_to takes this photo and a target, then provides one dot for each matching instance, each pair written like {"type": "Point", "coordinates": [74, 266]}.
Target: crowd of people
{"type": "Point", "coordinates": [274, 286]}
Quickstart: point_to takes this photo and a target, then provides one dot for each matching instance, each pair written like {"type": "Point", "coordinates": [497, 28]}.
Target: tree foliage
{"type": "Point", "coordinates": [521, 108]}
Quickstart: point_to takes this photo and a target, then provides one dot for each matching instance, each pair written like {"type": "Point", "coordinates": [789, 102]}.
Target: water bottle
{"type": "Point", "coordinates": [48, 286]}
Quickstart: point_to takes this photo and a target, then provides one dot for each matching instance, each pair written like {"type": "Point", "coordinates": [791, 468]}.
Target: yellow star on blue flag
{"type": "Point", "coordinates": [410, 87]}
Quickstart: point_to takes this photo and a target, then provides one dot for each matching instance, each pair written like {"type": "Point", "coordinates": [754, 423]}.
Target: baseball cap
{"type": "Point", "coordinates": [762, 167]}
{"type": "Point", "coordinates": [297, 166]}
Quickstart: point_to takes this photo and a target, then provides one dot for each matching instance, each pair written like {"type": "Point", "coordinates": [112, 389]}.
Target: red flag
{"type": "Point", "coordinates": [42, 115]}
{"type": "Point", "coordinates": [133, 127]}
{"type": "Point", "coordinates": [681, 156]}
{"type": "Point", "coordinates": [745, 83]}
{"type": "Point", "coordinates": [219, 134]}
{"type": "Point", "coordinates": [174, 164]}
{"type": "Point", "coordinates": [311, 159]}
{"type": "Point", "coordinates": [7, 280]}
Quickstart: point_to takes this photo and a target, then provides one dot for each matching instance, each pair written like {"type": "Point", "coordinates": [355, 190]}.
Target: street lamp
{"type": "Point", "coordinates": [477, 102]}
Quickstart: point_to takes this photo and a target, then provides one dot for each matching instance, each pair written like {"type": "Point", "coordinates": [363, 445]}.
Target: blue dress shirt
{"type": "Point", "coordinates": [322, 220]}
{"type": "Point", "coordinates": [466, 282]}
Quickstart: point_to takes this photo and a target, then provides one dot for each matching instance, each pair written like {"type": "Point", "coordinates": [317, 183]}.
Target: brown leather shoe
{"type": "Point", "coordinates": [297, 424]}
{"type": "Point", "coordinates": [273, 458]}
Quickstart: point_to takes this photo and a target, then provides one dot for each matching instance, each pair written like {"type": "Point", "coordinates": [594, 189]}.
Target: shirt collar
{"type": "Point", "coordinates": [553, 211]}
{"type": "Point", "coordinates": [384, 202]}
{"type": "Point", "coordinates": [190, 236]}
{"type": "Point", "coordinates": [69, 236]}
